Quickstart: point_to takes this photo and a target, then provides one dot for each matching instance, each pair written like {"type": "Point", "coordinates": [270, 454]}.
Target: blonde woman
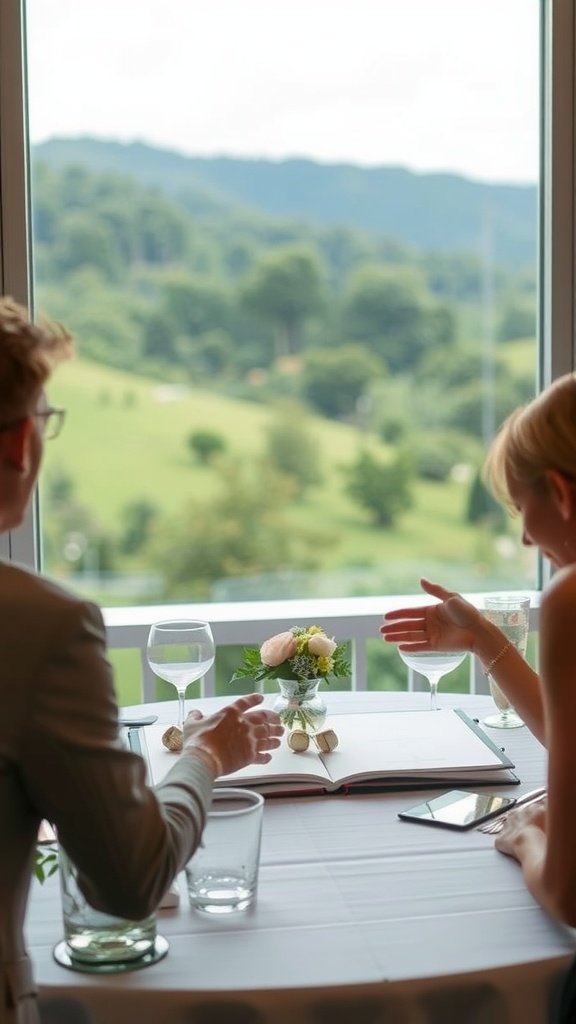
{"type": "Point", "coordinates": [531, 468]}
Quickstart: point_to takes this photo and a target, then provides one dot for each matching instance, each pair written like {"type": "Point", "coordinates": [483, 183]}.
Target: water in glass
{"type": "Point", "coordinates": [433, 665]}
{"type": "Point", "coordinates": [93, 936]}
{"type": "Point", "coordinates": [180, 651]}
{"type": "Point", "coordinates": [222, 875]}
{"type": "Point", "coordinates": [511, 613]}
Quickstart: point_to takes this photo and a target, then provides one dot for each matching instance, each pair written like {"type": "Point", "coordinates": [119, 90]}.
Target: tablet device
{"type": "Point", "coordinates": [458, 809]}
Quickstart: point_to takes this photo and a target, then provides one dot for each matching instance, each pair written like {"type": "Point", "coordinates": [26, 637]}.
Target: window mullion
{"type": "Point", "coordinates": [557, 268]}
{"type": "Point", "coordinates": [20, 545]}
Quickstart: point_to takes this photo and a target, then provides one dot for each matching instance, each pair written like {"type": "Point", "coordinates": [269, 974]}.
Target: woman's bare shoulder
{"type": "Point", "coordinates": [560, 595]}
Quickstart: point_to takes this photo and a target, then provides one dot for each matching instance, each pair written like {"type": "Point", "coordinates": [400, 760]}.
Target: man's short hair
{"type": "Point", "coordinates": [28, 354]}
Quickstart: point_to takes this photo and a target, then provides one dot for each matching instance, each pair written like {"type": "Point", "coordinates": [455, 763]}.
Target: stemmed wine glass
{"type": "Point", "coordinates": [433, 665]}
{"type": "Point", "coordinates": [180, 651]}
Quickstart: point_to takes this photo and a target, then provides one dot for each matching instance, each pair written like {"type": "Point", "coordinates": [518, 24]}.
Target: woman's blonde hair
{"type": "Point", "coordinates": [535, 438]}
{"type": "Point", "coordinates": [28, 354]}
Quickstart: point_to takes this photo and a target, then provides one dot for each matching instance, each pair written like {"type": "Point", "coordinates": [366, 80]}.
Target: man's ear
{"type": "Point", "coordinates": [14, 445]}
{"type": "Point", "coordinates": [563, 493]}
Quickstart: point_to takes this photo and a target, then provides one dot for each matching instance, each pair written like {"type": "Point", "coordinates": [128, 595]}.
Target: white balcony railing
{"type": "Point", "coordinates": [356, 619]}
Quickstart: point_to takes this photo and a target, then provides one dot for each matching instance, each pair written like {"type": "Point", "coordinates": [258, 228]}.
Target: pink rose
{"type": "Point", "coordinates": [278, 649]}
{"type": "Point", "coordinates": [321, 645]}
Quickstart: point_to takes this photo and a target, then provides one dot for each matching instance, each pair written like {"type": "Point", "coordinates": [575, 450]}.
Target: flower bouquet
{"type": "Point", "coordinates": [299, 659]}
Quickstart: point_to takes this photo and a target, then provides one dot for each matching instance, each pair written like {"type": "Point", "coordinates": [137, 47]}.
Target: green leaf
{"type": "Point", "coordinates": [45, 862]}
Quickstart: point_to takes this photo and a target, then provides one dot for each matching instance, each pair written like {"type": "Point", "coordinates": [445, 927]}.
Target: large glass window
{"type": "Point", "coordinates": [298, 245]}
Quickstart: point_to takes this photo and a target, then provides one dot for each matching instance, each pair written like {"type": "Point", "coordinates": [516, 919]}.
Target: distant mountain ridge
{"type": "Point", "coordinates": [443, 212]}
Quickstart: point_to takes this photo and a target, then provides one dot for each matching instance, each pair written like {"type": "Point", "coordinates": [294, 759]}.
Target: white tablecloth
{"type": "Point", "coordinates": [357, 913]}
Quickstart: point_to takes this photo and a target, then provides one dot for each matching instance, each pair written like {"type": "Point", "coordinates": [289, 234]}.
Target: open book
{"type": "Point", "coordinates": [385, 749]}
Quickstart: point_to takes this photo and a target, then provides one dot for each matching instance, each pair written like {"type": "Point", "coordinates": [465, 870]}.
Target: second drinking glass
{"type": "Point", "coordinates": [511, 613]}
{"type": "Point", "coordinates": [180, 651]}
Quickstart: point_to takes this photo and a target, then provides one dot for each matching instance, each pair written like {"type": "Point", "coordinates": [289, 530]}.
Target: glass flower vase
{"type": "Point", "coordinates": [300, 706]}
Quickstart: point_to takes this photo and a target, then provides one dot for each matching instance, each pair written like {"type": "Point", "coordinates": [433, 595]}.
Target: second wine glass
{"type": "Point", "coordinates": [433, 665]}
{"type": "Point", "coordinates": [180, 651]}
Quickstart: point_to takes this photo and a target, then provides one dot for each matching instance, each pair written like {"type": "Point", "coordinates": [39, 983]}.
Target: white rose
{"type": "Point", "coordinates": [321, 645]}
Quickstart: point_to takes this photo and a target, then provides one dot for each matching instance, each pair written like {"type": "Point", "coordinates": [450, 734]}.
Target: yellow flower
{"type": "Point", "coordinates": [325, 665]}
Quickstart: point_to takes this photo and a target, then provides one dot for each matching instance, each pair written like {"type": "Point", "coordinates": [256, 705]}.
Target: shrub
{"type": "Point", "coordinates": [381, 487]}
{"type": "Point", "coordinates": [205, 444]}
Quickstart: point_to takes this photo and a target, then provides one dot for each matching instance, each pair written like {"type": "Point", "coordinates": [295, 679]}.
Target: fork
{"type": "Point", "coordinates": [496, 825]}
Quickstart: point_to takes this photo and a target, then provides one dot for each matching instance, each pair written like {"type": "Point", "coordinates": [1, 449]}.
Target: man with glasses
{"type": "Point", "coordinates": [61, 758]}
{"type": "Point", "coordinates": [51, 421]}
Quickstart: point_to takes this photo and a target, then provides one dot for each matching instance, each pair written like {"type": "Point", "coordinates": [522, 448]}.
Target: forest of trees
{"type": "Point", "coordinates": [353, 325]}
{"type": "Point", "coordinates": [219, 298]}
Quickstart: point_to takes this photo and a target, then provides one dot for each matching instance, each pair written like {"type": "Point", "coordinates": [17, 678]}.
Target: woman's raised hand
{"type": "Point", "coordinates": [450, 625]}
{"type": "Point", "coordinates": [236, 735]}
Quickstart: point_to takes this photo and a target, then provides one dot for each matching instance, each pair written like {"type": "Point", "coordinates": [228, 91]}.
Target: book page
{"type": "Point", "coordinates": [285, 764]}
{"type": "Point", "coordinates": [406, 742]}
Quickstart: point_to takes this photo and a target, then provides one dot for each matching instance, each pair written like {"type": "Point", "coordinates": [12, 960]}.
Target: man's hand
{"type": "Point", "coordinates": [236, 735]}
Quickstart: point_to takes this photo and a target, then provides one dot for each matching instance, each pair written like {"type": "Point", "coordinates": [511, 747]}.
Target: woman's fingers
{"type": "Point", "coordinates": [404, 626]}
{"type": "Point", "coordinates": [516, 822]}
{"type": "Point", "coordinates": [408, 641]}
{"type": "Point", "coordinates": [435, 590]}
{"type": "Point", "coordinates": [419, 613]}
{"type": "Point", "coordinates": [404, 615]}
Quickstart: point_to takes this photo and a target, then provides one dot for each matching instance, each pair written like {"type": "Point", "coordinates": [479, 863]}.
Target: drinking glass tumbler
{"type": "Point", "coordinates": [222, 875]}
{"type": "Point", "coordinates": [511, 613]}
{"type": "Point", "coordinates": [94, 937]}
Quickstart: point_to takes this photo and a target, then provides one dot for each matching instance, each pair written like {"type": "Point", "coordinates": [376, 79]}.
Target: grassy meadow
{"type": "Point", "coordinates": [125, 440]}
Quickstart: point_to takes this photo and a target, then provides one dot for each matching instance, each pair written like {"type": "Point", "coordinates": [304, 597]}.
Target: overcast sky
{"type": "Point", "coordinates": [428, 84]}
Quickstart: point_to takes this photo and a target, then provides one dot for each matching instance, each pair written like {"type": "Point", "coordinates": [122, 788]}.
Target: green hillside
{"type": "Point", "coordinates": [131, 432]}
{"type": "Point", "coordinates": [123, 441]}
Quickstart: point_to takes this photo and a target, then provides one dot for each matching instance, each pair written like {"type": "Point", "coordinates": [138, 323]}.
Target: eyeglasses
{"type": "Point", "coordinates": [51, 422]}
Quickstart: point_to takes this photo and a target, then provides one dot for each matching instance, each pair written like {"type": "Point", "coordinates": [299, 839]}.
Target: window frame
{"type": "Point", "coordinates": [20, 545]}
{"type": "Point", "coordinates": [557, 231]}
